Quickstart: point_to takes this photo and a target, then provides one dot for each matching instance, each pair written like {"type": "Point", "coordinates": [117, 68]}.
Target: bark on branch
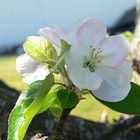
{"type": "Point", "coordinates": [119, 127]}
{"type": "Point", "coordinates": [75, 129]}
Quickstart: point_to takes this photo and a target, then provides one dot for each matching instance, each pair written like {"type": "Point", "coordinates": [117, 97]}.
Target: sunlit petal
{"type": "Point", "coordinates": [31, 70]}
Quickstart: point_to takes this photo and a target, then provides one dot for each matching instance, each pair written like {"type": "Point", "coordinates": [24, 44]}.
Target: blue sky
{"type": "Point", "coordinates": [19, 19]}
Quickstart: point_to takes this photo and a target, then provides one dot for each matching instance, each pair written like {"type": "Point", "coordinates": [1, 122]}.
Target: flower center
{"type": "Point", "coordinates": [93, 59]}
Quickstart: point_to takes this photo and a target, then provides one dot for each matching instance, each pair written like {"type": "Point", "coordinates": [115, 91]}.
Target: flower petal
{"type": "Point", "coordinates": [126, 68]}
{"type": "Point", "coordinates": [90, 32]}
{"type": "Point", "coordinates": [53, 34]}
{"type": "Point", "coordinates": [115, 49]}
{"type": "Point", "coordinates": [83, 78]}
{"type": "Point", "coordinates": [84, 34]}
{"type": "Point", "coordinates": [115, 85]}
{"type": "Point", "coordinates": [31, 70]}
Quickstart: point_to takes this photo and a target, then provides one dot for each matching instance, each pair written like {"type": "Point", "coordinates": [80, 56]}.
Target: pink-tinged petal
{"type": "Point", "coordinates": [115, 50]}
{"type": "Point", "coordinates": [75, 56]}
{"type": "Point", "coordinates": [126, 68]}
{"type": "Point", "coordinates": [76, 26]}
{"type": "Point", "coordinates": [83, 78]}
{"type": "Point", "coordinates": [39, 74]}
{"type": "Point", "coordinates": [90, 32]}
{"type": "Point", "coordinates": [31, 70]}
{"type": "Point", "coordinates": [53, 35]}
{"type": "Point", "coordinates": [115, 86]}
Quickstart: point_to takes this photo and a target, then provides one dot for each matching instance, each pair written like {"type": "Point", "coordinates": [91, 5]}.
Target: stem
{"type": "Point", "coordinates": [58, 132]}
{"type": "Point", "coordinates": [70, 85]}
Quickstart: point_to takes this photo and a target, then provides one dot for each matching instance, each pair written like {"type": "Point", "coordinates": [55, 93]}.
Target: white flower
{"type": "Point", "coordinates": [31, 69]}
{"type": "Point", "coordinates": [95, 61]}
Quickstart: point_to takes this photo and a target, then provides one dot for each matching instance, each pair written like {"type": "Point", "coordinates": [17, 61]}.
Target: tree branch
{"type": "Point", "coordinates": [118, 127]}
{"type": "Point", "coordinates": [58, 132]}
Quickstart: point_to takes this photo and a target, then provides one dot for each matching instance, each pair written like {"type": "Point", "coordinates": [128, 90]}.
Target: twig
{"type": "Point", "coordinates": [58, 132]}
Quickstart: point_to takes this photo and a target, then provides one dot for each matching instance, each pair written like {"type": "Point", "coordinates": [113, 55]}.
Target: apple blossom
{"type": "Point", "coordinates": [31, 69]}
{"type": "Point", "coordinates": [95, 62]}
{"type": "Point", "coordinates": [39, 54]}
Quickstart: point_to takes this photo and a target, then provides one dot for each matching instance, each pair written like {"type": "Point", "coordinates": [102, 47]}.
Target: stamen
{"type": "Point", "coordinates": [93, 59]}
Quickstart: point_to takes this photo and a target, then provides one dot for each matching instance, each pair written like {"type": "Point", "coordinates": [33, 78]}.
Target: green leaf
{"type": "Point", "coordinates": [50, 98]}
{"type": "Point", "coordinates": [40, 49]}
{"type": "Point", "coordinates": [129, 35]}
{"type": "Point", "coordinates": [65, 48]}
{"type": "Point", "coordinates": [130, 105]}
{"type": "Point", "coordinates": [68, 98]}
{"type": "Point", "coordinates": [27, 106]}
{"type": "Point", "coordinates": [56, 108]}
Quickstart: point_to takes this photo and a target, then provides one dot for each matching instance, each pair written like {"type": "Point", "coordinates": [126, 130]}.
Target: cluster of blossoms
{"type": "Point", "coordinates": [95, 62]}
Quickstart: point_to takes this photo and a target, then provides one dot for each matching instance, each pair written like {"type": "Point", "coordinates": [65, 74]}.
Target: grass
{"type": "Point", "coordinates": [9, 74]}
{"type": "Point", "coordinates": [88, 108]}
